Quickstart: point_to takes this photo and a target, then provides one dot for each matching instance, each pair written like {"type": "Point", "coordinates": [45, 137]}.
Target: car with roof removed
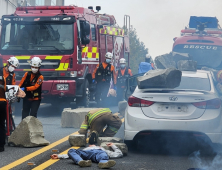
{"type": "Point", "coordinates": [194, 106]}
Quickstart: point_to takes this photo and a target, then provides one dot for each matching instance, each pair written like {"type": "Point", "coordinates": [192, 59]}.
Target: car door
{"type": "Point", "coordinates": [131, 84]}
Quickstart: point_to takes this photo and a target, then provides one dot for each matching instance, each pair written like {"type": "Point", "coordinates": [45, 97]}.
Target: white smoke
{"type": "Point", "coordinates": [204, 163]}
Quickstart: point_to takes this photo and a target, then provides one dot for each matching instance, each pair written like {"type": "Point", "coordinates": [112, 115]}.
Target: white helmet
{"type": "Point", "coordinates": [148, 56]}
{"type": "Point", "coordinates": [109, 55]}
{"type": "Point", "coordinates": [36, 62]}
{"type": "Point", "coordinates": [13, 61]}
{"type": "Point", "coordinates": [122, 61]}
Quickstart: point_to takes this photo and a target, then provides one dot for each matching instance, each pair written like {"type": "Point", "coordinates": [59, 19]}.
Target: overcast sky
{"type": "Point", "coordinates": [157, 21]}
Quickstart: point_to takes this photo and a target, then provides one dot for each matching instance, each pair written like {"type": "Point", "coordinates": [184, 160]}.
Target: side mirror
{"type": "Point", "coordinates": [85, 40]}
{"type": "Point", "coordinates": [86, 28]}
{"type": "Point", "coordinates": [79, 57]}
{"type": "Point", "coordinates": [85, 31]}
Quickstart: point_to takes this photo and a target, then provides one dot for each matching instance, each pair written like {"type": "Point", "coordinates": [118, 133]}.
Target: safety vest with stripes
{"type": "Point", "coordinates": [90, 117]}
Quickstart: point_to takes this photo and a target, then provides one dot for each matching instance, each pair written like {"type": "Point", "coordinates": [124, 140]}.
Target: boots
{"type": "Point", "coordinates": [106, 165]}
{"type": "Point", "coordinates": [85, 163]}
{"type": "Point", "coordinates": [2, 148]}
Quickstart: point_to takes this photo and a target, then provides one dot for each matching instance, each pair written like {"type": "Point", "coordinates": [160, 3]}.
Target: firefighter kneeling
{"type": "Point", "coordinates": [96, 120]}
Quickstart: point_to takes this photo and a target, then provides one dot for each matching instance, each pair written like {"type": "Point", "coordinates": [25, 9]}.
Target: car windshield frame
{"type": "Point", "coordinates": [202, 53]}
{"type": "Point", "coordinates": [50, 35]}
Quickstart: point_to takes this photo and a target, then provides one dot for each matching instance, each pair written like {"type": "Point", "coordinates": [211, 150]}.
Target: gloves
{"type": "Point", "coordinates": [114, 88]}
{"type": "Point", "coordinates": [93, 81]}
{"type": "Point", "coordinates": [23, 88]}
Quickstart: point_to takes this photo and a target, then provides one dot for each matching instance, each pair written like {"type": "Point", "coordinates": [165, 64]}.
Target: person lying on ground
{"type": "Point", "coordinates": [93, 153]}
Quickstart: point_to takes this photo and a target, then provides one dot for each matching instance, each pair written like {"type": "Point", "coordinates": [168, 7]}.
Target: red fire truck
{"type": "Point", "coordinates": [70, 41]}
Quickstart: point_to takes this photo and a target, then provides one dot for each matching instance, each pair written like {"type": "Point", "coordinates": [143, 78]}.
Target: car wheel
{"type": "Point", "coordinates": [131, 144]}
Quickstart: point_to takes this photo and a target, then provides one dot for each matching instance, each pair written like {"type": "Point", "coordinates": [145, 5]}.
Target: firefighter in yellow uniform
{"type": "Point", "coordinates": [96, 120]}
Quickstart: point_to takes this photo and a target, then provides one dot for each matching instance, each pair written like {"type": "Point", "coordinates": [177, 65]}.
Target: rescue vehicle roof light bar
{"type": "Point", "coordinates": [45, 8]}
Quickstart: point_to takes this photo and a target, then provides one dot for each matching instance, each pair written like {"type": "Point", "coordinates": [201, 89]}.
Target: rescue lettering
{"type": "Point", "coordinates": [202, 47]}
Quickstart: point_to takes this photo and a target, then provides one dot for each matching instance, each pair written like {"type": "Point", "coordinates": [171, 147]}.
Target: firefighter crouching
{"type": "Point", "coordinates": [3, 110]}
{"type": "Point", "coordinates": [122, 74]}
{"type": "Point", "coordinates": [31, 83]}
{"type": "Point", "coordinates": [102, 75]}
{"type": "Point", "coordinates": [96, 120]}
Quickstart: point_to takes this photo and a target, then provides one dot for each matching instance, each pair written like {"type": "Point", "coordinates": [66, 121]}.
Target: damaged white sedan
{"type": "Point", "coordinates": [194, 106]}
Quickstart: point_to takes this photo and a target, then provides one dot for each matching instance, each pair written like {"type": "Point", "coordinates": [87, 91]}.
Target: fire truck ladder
{"type": "Point", "coordinates": [126, 24]}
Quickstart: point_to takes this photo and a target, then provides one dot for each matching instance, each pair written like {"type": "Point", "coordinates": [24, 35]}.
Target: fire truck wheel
{"type": "Point", "coordinates": [84, 100]}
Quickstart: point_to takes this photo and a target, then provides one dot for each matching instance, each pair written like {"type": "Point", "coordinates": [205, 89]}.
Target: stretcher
{"type": "Point", "coordinates": [12, 95]}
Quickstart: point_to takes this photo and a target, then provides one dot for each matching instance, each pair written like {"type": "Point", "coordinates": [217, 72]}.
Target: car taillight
{"type": "Point", "coordinates": [210, 104]}
{"type": "Point", "coordinates": [201, 105]}
{"type": "Point", "coordinates": [213, 104]}
{"type": "Point", "coordinates": [136, 102]}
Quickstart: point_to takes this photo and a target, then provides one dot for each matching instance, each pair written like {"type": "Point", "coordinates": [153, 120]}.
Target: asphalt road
{"type": "Point", "coordinates": [156, 155]}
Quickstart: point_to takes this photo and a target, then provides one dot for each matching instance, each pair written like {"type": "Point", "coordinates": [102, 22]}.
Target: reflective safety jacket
{"type": "Point", "coordinates": [10, 77]}
{"type": "Point", "coordinates": [91, 117]}
{"type": "Point", "coordinates": [122, 75]}
{"type": "Point", "coordinates": [104, 72]}
{"type": "Point", "coordinates": [33, 85]}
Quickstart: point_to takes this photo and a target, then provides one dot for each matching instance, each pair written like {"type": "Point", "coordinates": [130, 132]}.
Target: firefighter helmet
{"type": "Point", "coordinates": [219, 76]}
{"type": "Point", "coordinates": [36, 62]}
{"type": "Point", "coordinates": [109, 55]}
{"type": "Point", "coordinates": [122, 61]}
{"type": "Point", "coordinates": [147, 56]}
{"type": "Point", "coordinates": [13, 61]}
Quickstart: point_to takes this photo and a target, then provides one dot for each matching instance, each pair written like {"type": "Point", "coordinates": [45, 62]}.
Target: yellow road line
{"type": "Point", "coordinates": [40, 151]}
{"type": "Point", "coordinates": [51, 161]}
{"type": "Point", "coordinates": [27, 157]}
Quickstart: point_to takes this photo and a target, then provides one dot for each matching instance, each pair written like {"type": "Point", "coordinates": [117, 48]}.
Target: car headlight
{"type": "Point", "coordinates": [62, 86]}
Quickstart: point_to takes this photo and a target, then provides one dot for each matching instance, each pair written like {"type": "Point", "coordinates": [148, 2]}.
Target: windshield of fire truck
{"type": "Point", "coordinates": [205, 55]}
{"type": "Point", "coordinates": [37, 38]}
